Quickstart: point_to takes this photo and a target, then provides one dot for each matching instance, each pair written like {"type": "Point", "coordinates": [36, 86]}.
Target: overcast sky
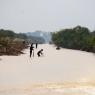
{"type": "Point", "coordinates": [46, 15]}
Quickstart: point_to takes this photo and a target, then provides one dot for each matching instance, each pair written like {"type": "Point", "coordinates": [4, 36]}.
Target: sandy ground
{"type": "Point", "coordinates": [56, 69]}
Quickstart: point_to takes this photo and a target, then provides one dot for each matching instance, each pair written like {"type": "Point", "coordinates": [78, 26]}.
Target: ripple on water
{"type": "Point", "coordinates": [49, 89]}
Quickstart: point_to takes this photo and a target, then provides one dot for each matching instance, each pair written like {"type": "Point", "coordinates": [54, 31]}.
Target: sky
{"type": "Point", "coordinates": [46, 15]}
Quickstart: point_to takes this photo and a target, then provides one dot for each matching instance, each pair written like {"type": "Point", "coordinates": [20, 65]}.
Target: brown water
{"type": "Point", "coordinates": [60, 72]}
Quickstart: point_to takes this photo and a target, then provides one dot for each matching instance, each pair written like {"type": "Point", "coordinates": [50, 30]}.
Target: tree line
{"type": "Point", "coordinates": [12, 43]}
{"type": "Point", "coordinates": [11, 34]}
{"type": "Point", "coordinates": [80, 38]}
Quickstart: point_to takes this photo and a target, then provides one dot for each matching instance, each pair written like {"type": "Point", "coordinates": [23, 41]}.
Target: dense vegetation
{"type": "Point", "coordinates": [11, 34]}
{"type": "Point", "coordinates": [11, 43]}
{"type": "Point", "coordinates": [80, 38]}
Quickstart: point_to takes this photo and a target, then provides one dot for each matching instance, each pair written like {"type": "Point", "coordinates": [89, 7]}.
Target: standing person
{"type": "Point", "coordinates": [36, 45]}
{"type": "Point", "coordinates": [31, 50]}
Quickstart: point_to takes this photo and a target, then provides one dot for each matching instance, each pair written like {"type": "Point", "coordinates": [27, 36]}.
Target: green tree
{"type": "Point", "coordinates": [76, 38]}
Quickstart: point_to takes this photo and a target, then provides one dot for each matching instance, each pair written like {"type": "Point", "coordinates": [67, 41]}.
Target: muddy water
{"type": "Point", "coordinates": [60, 72]}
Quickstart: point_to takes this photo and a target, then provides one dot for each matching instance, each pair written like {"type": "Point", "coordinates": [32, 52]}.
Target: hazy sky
{"type": "Point", "coordinates": [46, 15]}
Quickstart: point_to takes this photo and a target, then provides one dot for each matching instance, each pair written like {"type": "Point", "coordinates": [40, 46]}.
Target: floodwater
{"type": "Point", "coordinates": [57, 72]}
